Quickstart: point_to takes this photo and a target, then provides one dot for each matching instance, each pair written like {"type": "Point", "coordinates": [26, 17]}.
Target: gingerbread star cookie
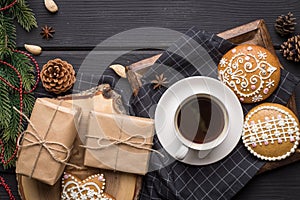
{"type": "Point", "coordinates": [251, 71]}
{"type": "Point", "coordinates": [92, 188]}
{"type": "Point", "coordinates": [271, 131]}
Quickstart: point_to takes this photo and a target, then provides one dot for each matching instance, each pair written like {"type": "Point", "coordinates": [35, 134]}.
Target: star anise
{"type": "Point", "coordinates": [159, 81]}
{"type": "Point", "coordinates": [47, 32]}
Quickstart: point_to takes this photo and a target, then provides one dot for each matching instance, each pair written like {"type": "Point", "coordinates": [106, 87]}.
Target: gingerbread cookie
{"type": "Point", "coordinates": [91, 188]}
{"type": "Point", "coordinates": [271, 131]}
{"type": "Point", "coordinates": [251, 71]}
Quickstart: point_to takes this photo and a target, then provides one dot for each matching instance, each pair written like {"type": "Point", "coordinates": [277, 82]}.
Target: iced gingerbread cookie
{"type": "Point", "coordinates": [92, 188]}
{"type": "Point", "coordinates": [251, 71]}
{"type": "Point", "coordinates": [271, 131]}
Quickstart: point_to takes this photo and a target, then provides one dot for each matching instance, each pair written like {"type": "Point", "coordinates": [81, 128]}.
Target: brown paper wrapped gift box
{"type": "Point", "coordinates": [48, 140]}
{"type": "Point", "coordinates": [119, 142]}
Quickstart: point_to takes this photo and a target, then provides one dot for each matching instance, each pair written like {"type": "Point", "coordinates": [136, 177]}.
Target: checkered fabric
{"type": "Point", "coordinates": [195, 53]}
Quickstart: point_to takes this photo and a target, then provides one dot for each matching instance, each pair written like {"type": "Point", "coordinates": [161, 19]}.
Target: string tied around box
{"type": "Point", "coordinates": [127, 141]}
{"type": "Point", "coordinates": [50, 146]}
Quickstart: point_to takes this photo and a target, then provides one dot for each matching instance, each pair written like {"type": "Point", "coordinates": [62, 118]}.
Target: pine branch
{"type": "Point", "coordinates": [10, 132]}
{"type": "Point", "coordinates": [23, 65]}
{"type": "Point", "coordinates": [9, 119]}
{"type": "Point", "coordinates": [24, 15]}
{"type": "Point", "coordinates": [9, 75]}
{"type": "Point", "coordinates": [9, 149]}
{"type": "Point", "coordinates": [28, 103]}
{"type": "Point", "coordinates": [7, 34]}
{"type": "Point", "coordinates": [4, 106]}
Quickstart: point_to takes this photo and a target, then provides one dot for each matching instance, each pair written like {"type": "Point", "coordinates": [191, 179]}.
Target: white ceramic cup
{"type": "Point", "coordinates": [206, 147]}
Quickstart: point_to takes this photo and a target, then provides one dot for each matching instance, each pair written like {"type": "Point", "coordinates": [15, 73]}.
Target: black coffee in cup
{"type": "Point", "coordinates": [200, 118]}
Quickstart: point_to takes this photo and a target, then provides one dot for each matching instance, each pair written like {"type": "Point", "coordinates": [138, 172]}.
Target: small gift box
{"type": "Point", "coordinates": [44, 148]}
{"type": "Point", "coordinates": [119, 142]}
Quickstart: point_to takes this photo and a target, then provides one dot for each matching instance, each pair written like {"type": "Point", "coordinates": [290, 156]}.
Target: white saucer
{"type": "Point", "coordinates": [171, 99]}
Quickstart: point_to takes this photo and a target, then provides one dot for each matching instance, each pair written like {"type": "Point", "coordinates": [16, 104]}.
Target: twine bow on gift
{"type": "Point", "coordinates": [47, 145]}
{"type": "Point", "coordinates": [51, 147]}
{"type": "Point", "coordinates": [102, 143]}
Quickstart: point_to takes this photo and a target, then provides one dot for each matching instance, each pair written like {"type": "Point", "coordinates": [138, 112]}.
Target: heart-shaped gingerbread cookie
{"type": "Point", "coordinates": [91, 188]}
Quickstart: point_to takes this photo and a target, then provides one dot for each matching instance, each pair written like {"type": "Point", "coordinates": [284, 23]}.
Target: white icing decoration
{"type": "Point", "coordinates": [249, 48]}
{"type": "Point", "coordinates": [238, 72]}
{"type": "Point", "coordinates": [268, 125]}
{"type": "Point", "coordinates": [223, 62]}
{"type": "Point", "coordinates": [233, 50]}
{"type": "Point", "coordinates": [259, 133]}
{"type": "Point", "coordinates": [262, 55]}
{"type": "Point", "coordinates": [264, 136]}
{"type": "Point", "coordinates": [74, 189]}
{"type": "Point", "coordinates": [271, 69]}
{"type": "Point", "coordinates": [252, 139]}
{"type": "Point", "coordinates": [277, 133]}
{"type": "Point", "coordinates": [257, 98]}
{"type": "Point", "coordinates": [270, 83]}
{"type": "Point", "coordinates": [281, 122]}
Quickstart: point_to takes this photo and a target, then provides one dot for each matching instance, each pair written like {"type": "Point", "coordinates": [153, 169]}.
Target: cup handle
{"type": "Point", "coordinates": [203, 153]}
{"type": "Point", "coordinates": [181, 152]}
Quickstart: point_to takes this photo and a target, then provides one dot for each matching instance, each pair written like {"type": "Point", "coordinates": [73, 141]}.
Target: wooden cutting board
{"type": "Point", "coordinates": [254, 32]}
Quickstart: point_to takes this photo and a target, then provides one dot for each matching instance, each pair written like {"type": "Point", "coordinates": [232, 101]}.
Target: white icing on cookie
{"type": "Point", "coordinates": [270, 83]}
{"type": "Point", "coordinates": [236, 73]}
{"type": "Point", "coordinates": [257, 98]}
{"type": "Point", "coordinates": [83, 190]}
{"type": "Point", "coordinates": [223, 62]}
{"type": "Point", "coordinates": [262, 55]}
{"type": "Point", "coordinates": [281, 128]}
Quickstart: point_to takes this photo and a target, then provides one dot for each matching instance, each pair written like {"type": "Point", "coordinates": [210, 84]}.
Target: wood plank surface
{"type": "Point", "coordinates": [87, 23]}
{"type": "Point", "coordinates": [81, 25]}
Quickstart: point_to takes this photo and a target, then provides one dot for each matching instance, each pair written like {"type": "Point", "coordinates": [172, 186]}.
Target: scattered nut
{"type": "Point", "coordinates": [34, 49]}
{"type": "Point", "coordinates": [119, 69]}
{"type": "Point", "coordinates": [51, 5]}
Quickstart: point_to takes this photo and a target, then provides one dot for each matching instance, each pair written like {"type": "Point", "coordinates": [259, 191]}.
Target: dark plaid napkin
{"type": "Point", "coordinates": [197, 53]}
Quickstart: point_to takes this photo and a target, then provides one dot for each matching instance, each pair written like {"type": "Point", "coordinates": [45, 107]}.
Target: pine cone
{"type": "Point", "coordinates": [57, 76]}
{"type": "Point", "coordinates": [285, 24]}
{"type": "Point", "coordinates": [291, 49]}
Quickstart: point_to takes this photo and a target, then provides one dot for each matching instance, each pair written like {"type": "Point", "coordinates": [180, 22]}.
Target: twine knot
{"type": "Point", "coordinates": [49, 146]}
{"type": "Point", "coordinates": [102, 143]}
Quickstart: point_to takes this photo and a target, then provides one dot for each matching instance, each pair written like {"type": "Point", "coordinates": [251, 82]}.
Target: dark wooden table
{"type": "Point", "coordinates": [81, 25]}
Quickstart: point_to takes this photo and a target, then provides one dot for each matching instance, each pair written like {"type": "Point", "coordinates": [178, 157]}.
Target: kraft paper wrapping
{"type": "Point", "coordinates": [44, 149]}
{"type": "Point", "coordinates": [119, 142]}
{"type": "Point", "coordinates": [96, 103]}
